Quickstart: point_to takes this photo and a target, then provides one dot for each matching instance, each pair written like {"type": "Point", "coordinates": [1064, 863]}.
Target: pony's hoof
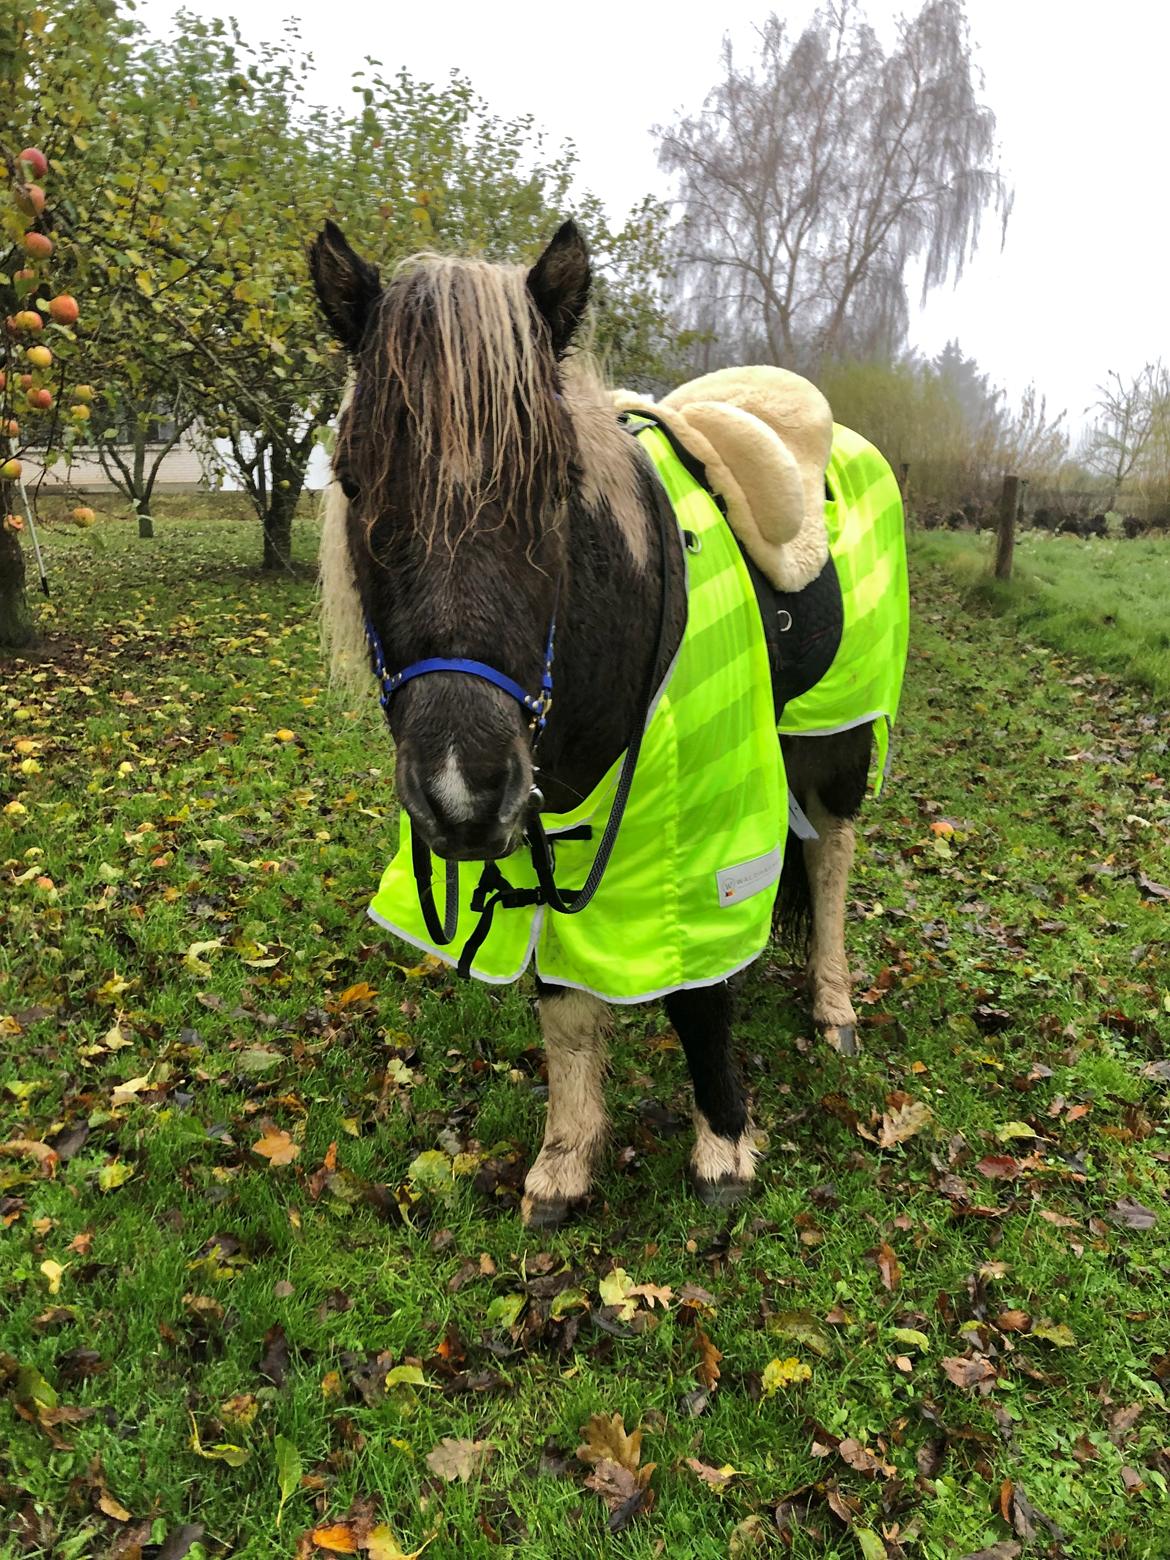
{"type": "Point", "coordinates": [722, 1192]}
{"type": "Point", "coordinates": [843, 1038]}
{"type": "Point", "coordinates": [544, 1213]}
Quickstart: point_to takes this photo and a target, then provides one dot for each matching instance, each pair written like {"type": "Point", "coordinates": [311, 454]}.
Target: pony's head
{"type": "Point", "coordinates": [447, 526]}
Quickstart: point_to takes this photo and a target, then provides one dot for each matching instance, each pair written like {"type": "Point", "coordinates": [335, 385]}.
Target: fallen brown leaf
{"type": "Point", "coordinates": [888, 1266]}
{"type": "Point", "coordinates": [276, 1145]}
{"type": "Point", "coordinates": [968, 1373]}
{"type": "Point", "coordinates": [904, 1121]}
{"type": "Point", "coordinates": [717, 1478]}
{"type": "Point", "coordinates": [606, 1440]}
{"type": "Point", "coordinates": [47, 1158]}
{"type": "Point", "coordinates": [862, 1460]}
{"type": "Point", "coordinates": [709, 1357]}
{"type": "Point", "coordinates": [1130, 1215]}
{"type": "Point", "coordinates": [458, 1459]}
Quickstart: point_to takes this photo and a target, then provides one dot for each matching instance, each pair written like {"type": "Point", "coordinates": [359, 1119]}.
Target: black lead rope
{"type": "Point", "coordinates": [440, 932]}
{"type": "Point", "coordinates": [574, 901]}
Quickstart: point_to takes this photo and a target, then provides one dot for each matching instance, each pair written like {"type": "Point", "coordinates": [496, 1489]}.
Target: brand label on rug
{"type": "Point", "coordinates": [750, 877]}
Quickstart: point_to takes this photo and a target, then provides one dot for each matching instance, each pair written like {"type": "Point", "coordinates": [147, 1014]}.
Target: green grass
{"type": "Point", "coordinates": [1102, 600]}
{"type": "Point", "coordinates": [1014, 971]}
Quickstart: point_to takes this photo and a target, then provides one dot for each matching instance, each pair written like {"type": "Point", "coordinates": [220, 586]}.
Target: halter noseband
{"type": "Point", "coordinates": [538, 704]}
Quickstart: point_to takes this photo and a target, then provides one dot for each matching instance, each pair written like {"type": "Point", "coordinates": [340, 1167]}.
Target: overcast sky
{"type": "Point", "coordinates": [1080, 93]}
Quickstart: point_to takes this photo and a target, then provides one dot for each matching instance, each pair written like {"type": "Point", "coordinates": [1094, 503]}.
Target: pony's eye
{"type": "Point", "coordinates": [348, 486]}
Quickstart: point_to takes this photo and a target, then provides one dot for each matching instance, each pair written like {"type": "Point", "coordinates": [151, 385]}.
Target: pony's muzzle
{"type": "Point", "coordinates": [466, 812]}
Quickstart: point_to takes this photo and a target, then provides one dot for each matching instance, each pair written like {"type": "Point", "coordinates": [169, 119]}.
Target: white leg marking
{"type": "Point", "coordinates": [716, 1158]}
{"type": "Point", "coordinates": [829, 860]}
{"type": "Point", "coordinates": [575, 1027]}
{"type": "Point", "coordinates": [452, 791]}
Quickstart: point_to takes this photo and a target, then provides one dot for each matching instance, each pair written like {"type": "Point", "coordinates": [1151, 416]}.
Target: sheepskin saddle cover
{"type": "Point", "coordinates": [763, 436]}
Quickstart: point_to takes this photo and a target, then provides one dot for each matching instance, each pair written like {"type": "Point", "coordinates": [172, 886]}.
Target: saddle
{"type": "Point", "coordinates": [763, 436]}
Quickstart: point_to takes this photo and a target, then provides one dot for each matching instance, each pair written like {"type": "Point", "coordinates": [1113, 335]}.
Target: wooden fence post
{"type": "Point", "coordinates": [1009, 508]}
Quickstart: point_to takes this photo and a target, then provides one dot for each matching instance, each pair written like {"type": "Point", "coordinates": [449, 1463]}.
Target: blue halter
{"type": "Point", "coordinates": [538, 705]}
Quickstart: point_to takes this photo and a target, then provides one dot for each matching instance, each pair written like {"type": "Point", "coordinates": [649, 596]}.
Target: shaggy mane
{"type": "Point", "coordinates": [455, 365]}
{"type": "Point", "coordinates": [457, 369]}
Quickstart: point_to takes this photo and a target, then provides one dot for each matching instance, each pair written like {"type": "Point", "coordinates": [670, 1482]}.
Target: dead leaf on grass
{"type": "Point", "coordinates": [276, 1145]}
{"type": "Point", "coordinates": [458, 1459]}
{"type": "Point", "coordinates": [862, 1460]}
{"type": "Point", "coordinates": [888, 1266]}
{"type": "Point", "coordinates": [969, 1373]}
{"type": "Point", "coordinates": [709, 1357]}
{"type": "Point", "coordinates": [617, 1476]}
{"type": "Point", "coordinates": [717, 1478]}
{"type": "Point", "coordinates": [47, 1158]}
{"type": "Point", "coordinates": [1130, 1215]}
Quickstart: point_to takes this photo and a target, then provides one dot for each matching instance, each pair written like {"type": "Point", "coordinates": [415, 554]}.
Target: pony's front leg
{"type": "Point", "coordinates": [829, 859]}
{"type": "Point", "coordinates": [575, 1027]}
{"type": "Point", "coordinates": [723, 1162]}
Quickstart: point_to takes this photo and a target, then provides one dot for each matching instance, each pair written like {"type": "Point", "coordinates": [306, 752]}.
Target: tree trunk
{"type": "Point", "coordinates": [278, 534]}
{"type": "Point", "coordinates": [288, 477]}
{"type": "Point", "coordinates": [140, 496]}
{"type": "Point", "coordinates": [17, 626]}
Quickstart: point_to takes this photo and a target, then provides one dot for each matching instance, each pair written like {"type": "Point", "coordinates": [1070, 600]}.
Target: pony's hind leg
{"type": "Point", "coordinates": [829, 859]}
{"type": "Point", "coordinates": [723, 1159]}
{"type": "Point", "coordinates": [575, 1028]}
{"type": "Point", "coordinates": [827, 775]}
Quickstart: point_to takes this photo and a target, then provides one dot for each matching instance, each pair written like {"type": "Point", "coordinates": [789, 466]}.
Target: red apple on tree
{"type": "Point", "coordinates": [40, 245]}
{"type": "Point", "coordinates": [30, 199]}
{"type": "Point", "coordinates": [30, 320]}
{"type": "Point", "coordinates": [36, 160]}
{"type": "Point", "coordinates": [63, 308]}
{"type": "Point", "coordinates": [40, 400]}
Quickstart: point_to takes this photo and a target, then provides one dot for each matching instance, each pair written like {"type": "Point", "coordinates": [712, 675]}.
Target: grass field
{"type": "Point", "coordinates": [1105, 601]}
{"type": "Point", "coordinates": [259, 1168]}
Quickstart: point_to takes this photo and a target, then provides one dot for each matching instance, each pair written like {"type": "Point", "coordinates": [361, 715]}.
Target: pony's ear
{"type": "Point", "coordinates": [559, 284]}
{"type": "Point", "coordinates": [347, 285]}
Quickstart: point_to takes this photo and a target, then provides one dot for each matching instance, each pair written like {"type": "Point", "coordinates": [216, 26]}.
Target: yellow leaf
{"type": "Point", "coordinates": [113, 988]}
{"type": "Point", "coordinates": [125, 1092]}
{"type": "Point", "coordinates": [784, 1373]}
{"type": "Point", "coordinates": [234, 1456]}
{"type": "Point", "coordinates": [192, 959]}
{"type": "Point", "coordinates": [114, 1175]}
{"type": "Point", "coordinates": [54, 1272]}
{"type": "Point", "coordinates": [614, 1289]}
{"type": "Point", "coordinates": [382, 1545]}
{"type": "Point", "coordinates": [145, 285]}
{"type": "Point", "coordinates": [360, 992]}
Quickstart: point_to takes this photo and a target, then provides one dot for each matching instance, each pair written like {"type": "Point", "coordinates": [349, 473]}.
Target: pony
{"type": "Point", "coordinates": [484, 489]}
